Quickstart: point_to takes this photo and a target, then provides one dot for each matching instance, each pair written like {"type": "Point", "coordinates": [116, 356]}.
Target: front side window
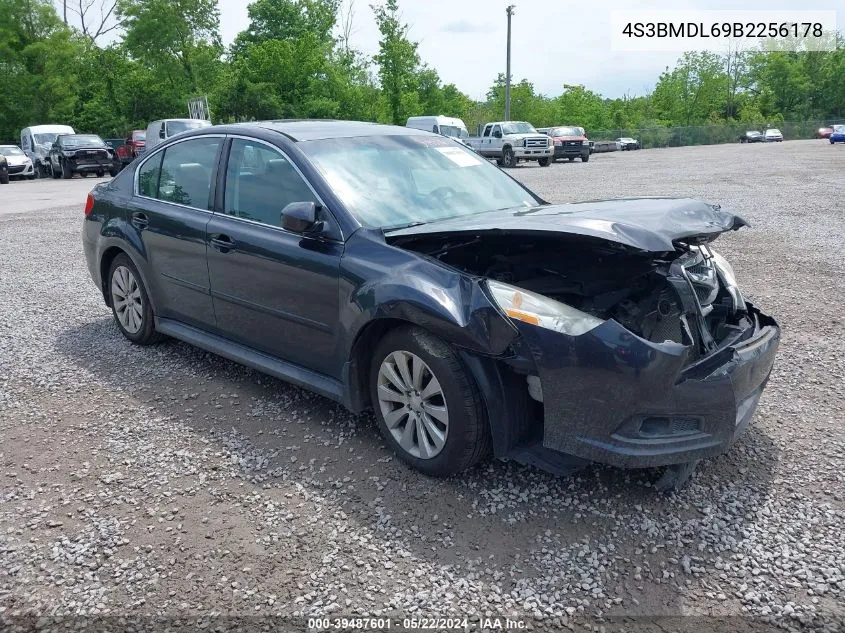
{"type": "Point", "coordinates": [391, 181]}
{"type": "Point", "coordinates": [182, 173]}
{"type": "Point", "coordinates": [260, 182]}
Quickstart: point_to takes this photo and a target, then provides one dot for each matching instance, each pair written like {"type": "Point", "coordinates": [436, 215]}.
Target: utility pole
{"type": "Point", "coordinates": [65, 6]}
{"type": "Point", "coordinates": [508, 75]}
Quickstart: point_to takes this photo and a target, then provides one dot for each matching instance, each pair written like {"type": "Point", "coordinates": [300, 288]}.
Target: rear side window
{"type": "Point", "coordinates": [260, 182]}
{"type": "Point", "coordinates": [148, 176]}
{"type": "Point", "coordinates": [183, 174]}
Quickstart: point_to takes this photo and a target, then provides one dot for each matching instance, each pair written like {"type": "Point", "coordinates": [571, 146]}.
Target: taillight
{"type": "Point", "coordinates": [89, 204]}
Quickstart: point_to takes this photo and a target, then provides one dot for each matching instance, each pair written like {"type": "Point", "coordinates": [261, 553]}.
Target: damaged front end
{"type": "Point", "coordinates": [631, 356]}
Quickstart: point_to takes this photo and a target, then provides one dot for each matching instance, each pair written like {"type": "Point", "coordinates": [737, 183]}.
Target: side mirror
{"type": "Point", "coordinates": [161, 131]}
{"type": "Point", "coordinates": [497, 134]}
{"type": "Point", "coordinates": [301, 217]}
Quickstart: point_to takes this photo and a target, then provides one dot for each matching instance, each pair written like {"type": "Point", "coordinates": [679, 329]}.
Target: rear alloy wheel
{"type": "Point", "coordinates": [508, 158]}
{"type": "Point", "coordinates": [129, 302]}
{"type": "Point", "coordinates": [427, 405]}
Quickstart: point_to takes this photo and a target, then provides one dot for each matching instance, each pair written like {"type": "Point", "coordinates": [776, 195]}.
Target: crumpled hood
{"type": "Point", "coordinates": [648, 224]}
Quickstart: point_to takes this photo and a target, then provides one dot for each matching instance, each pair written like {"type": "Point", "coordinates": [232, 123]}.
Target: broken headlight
{"type": "Point", "coordinates": [528, 307]}
{"type": "Point", "coordinates": [728, 278]}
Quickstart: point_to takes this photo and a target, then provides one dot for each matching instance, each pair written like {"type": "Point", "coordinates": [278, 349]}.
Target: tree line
{"type": "Point", "coordinates": [295, 60]}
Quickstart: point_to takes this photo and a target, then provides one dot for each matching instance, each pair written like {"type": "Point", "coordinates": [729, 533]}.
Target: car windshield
{"type": "Point", "coordinates": [11, 150]}
{"type": "Point", "coordinates": [839, 129]}
{"type": "Point", "coordinates": [176, 127]}
{"type": "Point", "coordinates": [46, 138]}
{"type": "Point", "coordinates": [773, 131]}
{"type": "Point", "coordinates": [139, 136]}
{"type": "Point", "coordinates": [392, 181]}
{"type": "Point", "coordinates": [82, 140]}
{"type": "Point", "coordinates": [518, 127]}
{"type": "Point", "coordinates": [453, 130]}
{"type": "Point", "coordinates": [565, 131]}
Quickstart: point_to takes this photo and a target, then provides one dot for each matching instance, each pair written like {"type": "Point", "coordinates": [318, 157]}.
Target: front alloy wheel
{"type": "Point", "coordinates": [413, 405]}
{"type": "Point", "coordinates": [508, 158]}
{"type": "Point", "coordinates": [427, 404]}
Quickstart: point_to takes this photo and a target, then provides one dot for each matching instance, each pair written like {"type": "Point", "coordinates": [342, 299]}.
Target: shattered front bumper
{"type": "Point", "coordinates": [610, 396]}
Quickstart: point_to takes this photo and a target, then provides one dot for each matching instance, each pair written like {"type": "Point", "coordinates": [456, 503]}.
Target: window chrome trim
{"type": "Point", "coordinates": [286, 156]}
{"type": "Point", "coordinates": [137, 194]}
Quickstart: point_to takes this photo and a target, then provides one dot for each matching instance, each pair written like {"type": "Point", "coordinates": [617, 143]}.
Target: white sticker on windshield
{"type": "Point", "coordinates": [460, 157]}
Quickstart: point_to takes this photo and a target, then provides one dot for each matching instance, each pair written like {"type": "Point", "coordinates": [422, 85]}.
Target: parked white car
{"type": "Point", "coordinates": [773, 135]}
{"type": "Point", "coordinates": [161, 130]}
{"type": "Point", "coordinates": [36, 142]}
{"type": "Point", "coordinates": [20, 165]}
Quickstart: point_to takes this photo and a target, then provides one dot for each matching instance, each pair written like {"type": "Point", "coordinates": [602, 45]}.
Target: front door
{"type": "Point", "coordinates": [171, 212]}
{"type": "Point", "coordinates": [273, 290]}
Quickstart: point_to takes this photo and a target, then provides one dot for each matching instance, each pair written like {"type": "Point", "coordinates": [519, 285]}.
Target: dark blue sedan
{"type": "Point", "coordinates": [838, 135]}
{"type": "Point", "coordinates": [393, 269]}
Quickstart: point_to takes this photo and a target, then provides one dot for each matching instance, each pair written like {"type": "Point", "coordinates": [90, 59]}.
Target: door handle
{"type": "Point", "coordinates": [222, 243]}
{"type": "Point", "coordinates": [140, 220]}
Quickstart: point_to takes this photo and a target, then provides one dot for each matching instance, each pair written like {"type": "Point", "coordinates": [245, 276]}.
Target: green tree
{"type": "Point", "coordinates": [398, 62]}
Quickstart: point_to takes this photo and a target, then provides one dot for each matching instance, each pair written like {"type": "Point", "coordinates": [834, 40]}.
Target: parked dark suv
{"type": "Point", "coordinates": [391, 268]}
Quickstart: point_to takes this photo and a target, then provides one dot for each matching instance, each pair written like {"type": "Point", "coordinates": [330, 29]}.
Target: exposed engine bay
{"type": "Point", "coordinates": [678, 296]}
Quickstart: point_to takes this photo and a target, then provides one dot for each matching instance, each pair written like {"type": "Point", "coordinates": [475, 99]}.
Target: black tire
{"type": "Point", "coordinates": [585, 158]}
{"type": "Point", "coordinates": [545, 162]}
{"type": "Point", "coordinates": [468, 437]}
{"type": "Point", "coordinates": [55, 173]}
{"type": "Point", "coordinates": [4, 179]}
{"type": "Point", "coordinates": [146, 334]}
{"type": "Point", "coordinates": [508, 158]}
{"type": "Point", "coordinates": [100, 174]}
{"type": "Point", "coordinates": [67, 173]}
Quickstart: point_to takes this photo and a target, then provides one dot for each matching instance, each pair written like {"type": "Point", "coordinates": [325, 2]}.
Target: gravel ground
{"type": "Point", "coordinates": [165, 481]}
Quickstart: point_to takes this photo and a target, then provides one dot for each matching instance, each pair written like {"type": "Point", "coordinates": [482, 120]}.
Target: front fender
{"type": "Point", "coordinates": [380, 281]}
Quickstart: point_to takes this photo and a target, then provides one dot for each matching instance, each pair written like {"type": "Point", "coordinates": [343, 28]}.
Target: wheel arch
{"type": "Point", "coordinates": [504, 401]}
{"type": "Point", "coordinates": [106, 259]}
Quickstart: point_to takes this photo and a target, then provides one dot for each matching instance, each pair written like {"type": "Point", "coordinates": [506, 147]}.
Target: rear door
{"type": "Point", "coordinates": [170, 212]}
{"type": "Point", "coordinates": [273, 290]}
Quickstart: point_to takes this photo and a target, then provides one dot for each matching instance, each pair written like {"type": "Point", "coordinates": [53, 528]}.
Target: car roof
{"type": "Point", "coordinates": [316, 129]}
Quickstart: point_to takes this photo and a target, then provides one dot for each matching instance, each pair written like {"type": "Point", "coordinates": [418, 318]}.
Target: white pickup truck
{"type": "Point", "coordinates": [512, 141]}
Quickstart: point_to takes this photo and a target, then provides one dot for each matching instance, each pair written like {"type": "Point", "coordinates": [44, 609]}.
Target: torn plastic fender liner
{"type": "Point", "coordinates": [613, 397]}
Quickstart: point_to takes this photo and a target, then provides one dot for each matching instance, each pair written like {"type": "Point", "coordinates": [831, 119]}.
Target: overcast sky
{"type": "Point", "coordinates": [555, 42]}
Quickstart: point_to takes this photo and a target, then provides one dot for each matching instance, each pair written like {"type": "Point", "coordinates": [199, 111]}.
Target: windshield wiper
{"type": "Point", "coordinates": [402, 226]}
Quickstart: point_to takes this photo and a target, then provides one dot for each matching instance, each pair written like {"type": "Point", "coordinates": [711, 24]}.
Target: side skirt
{"type": "Point", "coordinates": [289, 372]}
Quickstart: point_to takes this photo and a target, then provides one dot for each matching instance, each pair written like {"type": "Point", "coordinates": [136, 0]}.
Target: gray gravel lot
{"type": "Point", "coordinates": [167, 481]}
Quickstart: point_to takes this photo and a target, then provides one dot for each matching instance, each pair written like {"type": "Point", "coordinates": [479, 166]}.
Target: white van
{"type": "Point", "coordinates": [159, 131]}
{"type": "Point", "coordinates": [445, 125]}
{"type": "Point", "coordinates": [36, 142]}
